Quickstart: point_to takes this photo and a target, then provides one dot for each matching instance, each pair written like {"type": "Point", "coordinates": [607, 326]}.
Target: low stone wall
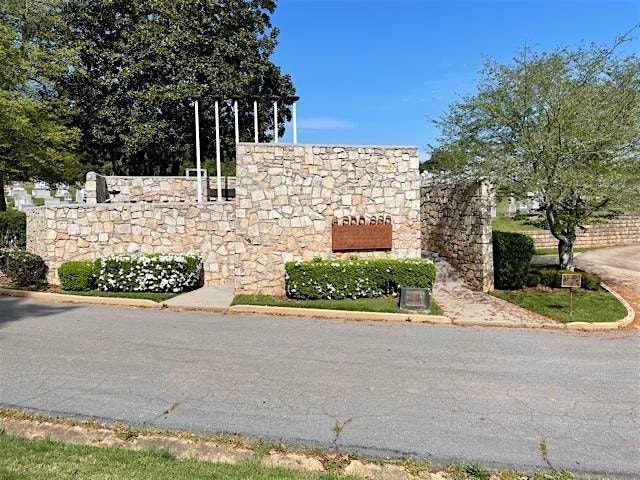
{"type": "Point", "coordinates": [86, 232]}
{"type": "Point", "coordinates": [151, 189]}
{"type": "Point", "coordinates": [288, 195]}
{"type": "Point", "coordinates": [456, 223]}
{"type": "Point", "coordinates": [619, 231]}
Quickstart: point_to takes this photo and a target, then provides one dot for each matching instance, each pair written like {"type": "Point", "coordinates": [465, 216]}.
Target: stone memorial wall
{"type": "Point", "coordinates": [456, 223]}
{"type": "Point", "coordinates": [87, 232]}
{"type": "Point", "coordinates": [151, 189]}
{"type": "Point", "coordinates": [288, 196]}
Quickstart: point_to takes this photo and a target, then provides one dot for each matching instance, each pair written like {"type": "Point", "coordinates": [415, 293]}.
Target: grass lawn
{"type": "Point", "coordinates": [156, 297]}
{"type": "Point", "coordinates": [588, 306]}
{"type": "Point", "coordinates": [554, 250]}
{"type": "Point", "coordinates": [22, 459]}
{"type": "Point", "coordinates": [503, 223]}
{"type": "Point", "coordinates": [383, 304]}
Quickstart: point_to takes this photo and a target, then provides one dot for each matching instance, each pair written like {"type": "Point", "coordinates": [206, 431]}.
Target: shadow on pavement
{"type": "Point", "coordinates": [13, 309]}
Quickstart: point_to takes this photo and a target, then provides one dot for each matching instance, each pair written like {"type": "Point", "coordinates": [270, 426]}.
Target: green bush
{"type": "Point", "coordinates": [77, 276]}
{"type": "Point", "coordinates": [533, 280]}
{"type": "Point", "coordinates": [23, 268]}
{"type": "Point", "coordinates": [356, 278]}
{"type": "Point", "coordinates": [149, 273]}
{"type": "Point", "coordinates": [551, 276]}
{"type": "Point", "coordinates": [13, 229]}
{"type": "Point", "coordinates": [512, 253]}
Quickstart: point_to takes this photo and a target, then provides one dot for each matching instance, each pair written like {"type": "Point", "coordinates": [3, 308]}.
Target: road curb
{"type": "Point", "coordinates": [341, 314]}
{"type": "Point", "coordinates": [64, 298]}
{"type": "Point", "coordinates": [331, 314]}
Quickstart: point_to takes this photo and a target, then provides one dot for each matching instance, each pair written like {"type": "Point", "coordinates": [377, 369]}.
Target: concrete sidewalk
{"type": "Point", "coordinates": [209, 298]}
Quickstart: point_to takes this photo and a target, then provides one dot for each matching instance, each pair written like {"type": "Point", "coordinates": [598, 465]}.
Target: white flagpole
{"type": "Point", "coordinates": [198, 173]}
{"type": "Point", "coordinates": [218, 167]}
{"type": "Point", "coordinates": [295, 124]}
{"type": "Point", "coordinates": [275, 121]}
{"type": "Point", "coordinates": [237, 123]}
{"type": "Point", "coordinates": [255, 119]}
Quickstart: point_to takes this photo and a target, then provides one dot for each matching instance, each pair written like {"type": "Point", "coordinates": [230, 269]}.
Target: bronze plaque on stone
{"type": "Point", "coordinates": [346, 238]}
{"type": "Point", "coordinates": [415, 299]}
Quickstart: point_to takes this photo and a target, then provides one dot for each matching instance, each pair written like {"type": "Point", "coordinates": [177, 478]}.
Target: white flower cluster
{"type": "Point", "coordinates": [149, 273]}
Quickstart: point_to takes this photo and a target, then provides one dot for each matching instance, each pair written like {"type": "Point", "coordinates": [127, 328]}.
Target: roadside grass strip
{"type": "Point", "coordinates": [41, 448]}
{"type": "Point", "coordinates": [378, 304]}
{"type": "Point", "coordinates": [588, 306]}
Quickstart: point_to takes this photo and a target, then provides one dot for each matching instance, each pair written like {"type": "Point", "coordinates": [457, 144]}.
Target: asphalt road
{"type": "Point", "coordinates": [482, 395]}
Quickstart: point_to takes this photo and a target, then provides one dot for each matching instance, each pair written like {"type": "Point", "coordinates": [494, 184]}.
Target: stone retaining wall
{"type": "Point", "coordinates": [456, 223]}
{"type": "Point", "coordinates": [86, 232]}
{"type": "Point", "coordinates": [288, 195]}
{"type": "Point", "coordinates": [619, 231]}
{"type": "Point", "coordinates": [150, 189]}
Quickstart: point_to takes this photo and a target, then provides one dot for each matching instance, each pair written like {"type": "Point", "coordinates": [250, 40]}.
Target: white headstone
{"type": "Point", "coordinates": [80, 196]}
{"type": "Point", "coordinates": [51, 201]}
{"type": "Point", "coordinates": [17, 192]}
{"type": "Point", "coordinates": [41, 192]}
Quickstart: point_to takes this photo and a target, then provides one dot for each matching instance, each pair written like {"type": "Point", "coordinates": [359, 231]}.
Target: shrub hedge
{"type": "Point", "coordinates": [512, 253]}
{"type": "Point", "coordinates": [149, 273]}
{"type": "Point", "coordinates": [551, 276]}
{"type": "Point", "coordinates": [78, 276]}
{"type": "Point", "coordinates": [22, 268]}
{"type": "Point", "coordinates": [356, 278]}
{"type": "Point", "coordinates": [13, 229]}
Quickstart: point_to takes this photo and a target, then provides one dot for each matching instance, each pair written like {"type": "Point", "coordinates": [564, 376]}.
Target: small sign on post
{"type": "Point", "coordinates": [571, 281]}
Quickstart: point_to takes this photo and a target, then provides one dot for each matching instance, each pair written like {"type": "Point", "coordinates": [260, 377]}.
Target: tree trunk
{"type": "Point", "coordinates": [565, 252]}
{"type": "Point", "coordinates": [566, 236]}
{"type": "Point", "coordinates": [3, 200]}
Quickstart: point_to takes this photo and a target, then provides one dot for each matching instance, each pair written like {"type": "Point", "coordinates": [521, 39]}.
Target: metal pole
{"type": "Point", "coordinates": [235, 112]}
{"type": "Point", "coordinates": [218, 168]}
{"type": "Point", "coordinates": [295, 124]}
{"type": "Point", "coordinates": [275, 121]}
{"type": "Point", "coordinates": [198, 173]}
{"type": "Point", "coordinates": [255, 119]}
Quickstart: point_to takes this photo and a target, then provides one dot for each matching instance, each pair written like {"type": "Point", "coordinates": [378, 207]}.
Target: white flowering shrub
{"type": "Point", "coordinates": [149, 273]}
{"type": "Point", "coordinates": [356, 278]}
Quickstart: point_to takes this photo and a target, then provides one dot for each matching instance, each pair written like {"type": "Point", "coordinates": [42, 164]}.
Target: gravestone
{"type": "Point", "coordinates": [41, 190]}
{"type": "Point", "coordinates": [51, 201]}
{"type": "Point", "coordinates": [80, 196]}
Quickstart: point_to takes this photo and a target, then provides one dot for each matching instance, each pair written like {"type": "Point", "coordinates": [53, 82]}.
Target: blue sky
{"type": "Point", "coordinates": [375, 72]}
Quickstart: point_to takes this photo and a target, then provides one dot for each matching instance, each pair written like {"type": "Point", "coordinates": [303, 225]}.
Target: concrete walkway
{"type": "Point", "coordinates": [462, 304]}
{"type": "Point", "coordinates": [214, 298]}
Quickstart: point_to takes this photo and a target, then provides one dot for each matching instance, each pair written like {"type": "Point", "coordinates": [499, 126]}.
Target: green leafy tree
{"type": "Point", "coordinates": [35, 140]}
{"type": "Point", "coordinates": [564, 125]}
{"type": "Point", "coordinates": [141, 65]}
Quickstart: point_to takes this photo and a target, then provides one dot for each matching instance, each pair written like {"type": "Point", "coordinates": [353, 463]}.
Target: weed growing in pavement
{"type": "Point", "coordinates": [337, 429]}
{"type": "Point", "coordinates": [171, 408]}
{"type": "Point", "coordinates": [543, 449]}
